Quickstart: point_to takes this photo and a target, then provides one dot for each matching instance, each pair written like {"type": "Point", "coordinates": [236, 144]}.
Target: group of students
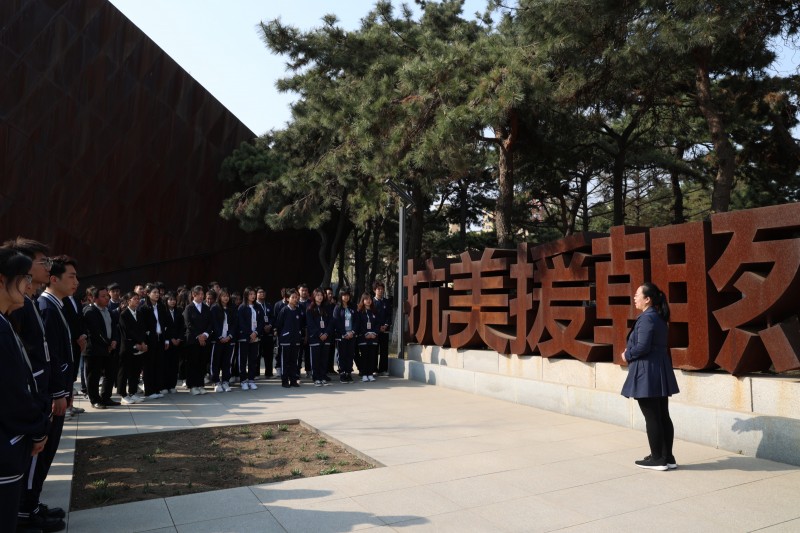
{"type": "Point", "coordinates": [49, 337]}
{"type": "Point", "coordinates": [220, 340]}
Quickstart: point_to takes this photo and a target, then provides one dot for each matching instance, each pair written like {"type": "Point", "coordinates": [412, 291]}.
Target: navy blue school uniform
{"type": "Point", "coordinates": [175, 353]}
{"type": "Point", "coordinates": [267, 346]}
{"type": "Point", "coordinates": [22, 422]}
{"type": "Point", "coordinates": [132, 331]}
{"type": "Point", "coordinates": [197, 322]}
{"type": "Point", "coordinates": [101, 360]}
{"type": "Point", "coordinates": [276, 311]}
{"type": "Point", "coordinates": [225, 328]}
{"type": "Point", "coordinates": [153, 361]}
{"type": "Point", "coordinates": [367, 328]}
{"type": "Point", "coordinates": [302, 354]}
{"type": "Point", "coordinates": [344, 324]}
{"type": "Point", "coordinates": [383, 311]}
{"type": "Point", "coordinates": [289, 328]}
{"type": "Point", "coordinates": [250, 320]}
{"type": "Point", "coordinates": [318, 323]}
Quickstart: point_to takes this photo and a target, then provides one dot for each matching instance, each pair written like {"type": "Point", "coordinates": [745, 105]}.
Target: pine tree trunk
{"type": "Point", "coordinates": [726, 155]}
{"type": "Point", "coordinates": [507, 137]}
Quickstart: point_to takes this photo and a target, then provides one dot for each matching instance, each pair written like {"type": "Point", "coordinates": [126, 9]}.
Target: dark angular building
{"type": "Point", "coordinates": [110, 151]}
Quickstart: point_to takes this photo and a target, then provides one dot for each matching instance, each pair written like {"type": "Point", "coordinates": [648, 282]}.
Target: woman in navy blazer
{"type": "Point", "coordinates": [651, 379]}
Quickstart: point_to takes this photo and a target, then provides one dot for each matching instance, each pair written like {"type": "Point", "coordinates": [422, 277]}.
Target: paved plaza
{"type": "Point", "coordinates": [453, 462]}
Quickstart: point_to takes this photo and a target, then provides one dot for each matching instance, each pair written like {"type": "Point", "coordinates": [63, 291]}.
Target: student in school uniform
{"type": "Point", "coordinates": [267, 347]}
{"type": "Point", "coordinates": [224, 317]}
{"type": "Point", "coordinates": [289, 326]}
{"type": "Point", "coordinates": [198, 327]}
{"type": "Point", "coordinates": [302, 356]}
{"type": "Point", "coordinates": [153, 361]}
{"type": "Point", "coordinates": [344, 324]}
{"type": "Point", "coordinates": [101, 358]}
{"type": "Point", "coordinates": [133, 345]}
{"type": "Point", "coordinates": [367, 329]}
{"type": "Point", "coordinates": [175, 334]}
{"type": "Point", "coordinates": [319, 328]}
{"type": "Point", "coordinates": [276, 311]}
{"type": "Point", "coordinates": [384, 313]}
{"type": "Point", "coordinates": [251, 325]}
{"type": "Point", "coordinates": [23, 424]}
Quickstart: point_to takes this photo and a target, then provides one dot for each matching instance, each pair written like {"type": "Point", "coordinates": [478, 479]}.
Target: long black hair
{"type": "Point", "coordinates": [658, 299]}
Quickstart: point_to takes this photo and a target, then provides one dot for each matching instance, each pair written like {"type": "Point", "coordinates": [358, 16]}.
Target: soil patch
{"type": "Point", "coordinates": [130, 468]}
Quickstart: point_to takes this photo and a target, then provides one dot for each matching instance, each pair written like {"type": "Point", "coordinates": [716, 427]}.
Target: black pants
{"type": "Point", "coordinates": [196, 361]}
{"type": "Point", "coordinates": [346, 352]}
{"type": "Point", "coordinates": [383, 351]}
{"type": "Point", "coordinates": [267, 352]}
{"type": "Point", "coordinates": [660, 431]}
{"type": "Point", "coordinates": [9, 504]}
{"type": "Point", "coordinates": [368, 363]}
{"type": "Point", "coordinates": [40, 466]}
{"type": "Point", "coordinates": [289, 363]}
{"type": "Point", "coordinates": [221, 353]}
{"type": "Point", "coordinates": [318, 353]}
{"type": "Point", "coordinates": [172, 356]}
{"type": "Point", "coordinates": [97, 366]}
{"type": "Point", "coordinates": [153, 367]}
{"type": "Point", "coordinates": [248, 360]}
{"type": "Point", "coordinates": [130, 366]}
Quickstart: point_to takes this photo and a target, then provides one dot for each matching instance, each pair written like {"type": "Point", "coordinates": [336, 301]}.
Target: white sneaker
{"type": "Point", "coordinates": [195, 391]}
{"type": "Point", "coordinates": [202, 390]}
{"type": "Point", "coordinates": [136, 398]}
{"type": "Point", "coordinates": [207, 380]}
{"type": "Point", "coordinates": [183, 384]}
{"type": "Point", "coordinates": [364, 379]}
{"type": "Point", "coordinates": [155, 396]}
{"type": "Point", "coordinates": [318, 383]}
{"type": "Point", "coordinates": [226, 387]}
{"type": "Point", "coordinates": [127, 401]}
{"type": "Point", "coordinates": [173, 391]}
{"type": "Point", "coordinates": [245, 385]}
{"type": "Point", "coordinates": [218, 388]}
{"type": "Point", "coordinates": [371, 378]}
{"type": "Point", "coordinates": [253, 386]}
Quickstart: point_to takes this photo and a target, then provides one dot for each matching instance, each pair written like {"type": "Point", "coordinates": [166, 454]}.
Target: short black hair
{"type": "Point", "coordinates": [27, 246]}
{"type": "Point", "coordinates": [60, 263]}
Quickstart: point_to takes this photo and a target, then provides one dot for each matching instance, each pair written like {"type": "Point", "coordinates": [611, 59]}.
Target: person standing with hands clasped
{"type": "Point", "coordinates": [651, 379]}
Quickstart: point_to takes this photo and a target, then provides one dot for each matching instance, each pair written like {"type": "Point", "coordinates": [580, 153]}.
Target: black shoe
{"type": "Point", "coordinates": [285, 385]}
{"type": "Point", "coordinates": [99, 405]}
{"type": "Point", "coordinates": [44, 523]}
{"type": "Point", "coordinates": [652, 464]}
{"type": "Point", "coordinates": [111, 403]}
{"type": "Point", "coordinates": [52, 512]}
{"type": "Point", "coordinates": [295, 384]}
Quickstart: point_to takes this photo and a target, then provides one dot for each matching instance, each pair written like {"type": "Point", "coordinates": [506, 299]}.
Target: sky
{"type": "Point", "coordinates": [217, 43]}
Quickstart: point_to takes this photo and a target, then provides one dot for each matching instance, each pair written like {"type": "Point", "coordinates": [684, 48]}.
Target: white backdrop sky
{"type": "Point", "coordinates": [217, 42]}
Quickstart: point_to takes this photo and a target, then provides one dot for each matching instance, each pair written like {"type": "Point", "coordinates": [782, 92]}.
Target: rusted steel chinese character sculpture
{"type": "Point", "coordinates": [733, 285]}
{"type": "Point", "coordinates": [565, 316]}
{"type": "Point", "coordinates": [760, 267]}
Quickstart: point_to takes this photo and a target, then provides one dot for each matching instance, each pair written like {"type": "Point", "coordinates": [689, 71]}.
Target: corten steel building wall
{"type": "Point", "coordinates": [110, 151]}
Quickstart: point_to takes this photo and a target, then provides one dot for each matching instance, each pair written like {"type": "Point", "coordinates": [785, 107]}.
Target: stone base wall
{"type": "Point", "coordinates": [756, 415]}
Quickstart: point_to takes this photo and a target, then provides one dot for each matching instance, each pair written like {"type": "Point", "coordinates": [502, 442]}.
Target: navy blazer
{"type": "Point", "coordinates": [384, 311]}
{"type": "Point", "coordinates": [22, 418]}
{"type": "Point", "coordinates": [196, 323]}
{"type": "Point", "coordinates": [319, 322]}
{"type": "Point", "coordinates": [30, 329]}
{"type": "Point", "coordinates": [289, 325]}
{"type": "Point", "coordinates": [367, 323]}
{"type": "Point", "coordinates": [175, 326]}
{"type": "Point", "coordinates": [245, 319]}
{"type": "Point", "coordinates": [218, 314]}
{"type": "Point", "coordinates": [99, 341]}
{"type": "Point", "coordinates": [59, 345]}
{"type": "Point", "coordinates": [132, 331]}
{"type": "Point", "coordinates": [339, 321]}
{"type": "Point", "coordinates": [650, 373]}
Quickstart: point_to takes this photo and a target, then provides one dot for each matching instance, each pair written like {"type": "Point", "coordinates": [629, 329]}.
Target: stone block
{"type": "Point", "coordinates": [598, 405]}
{"type": "Point", "coordinates": [568, 372]}
{"type": "Point", "coordinates": [715, 389]}
{"type": "Point", "coordinates": [768, 437]}
{"type": "Point", "coordinates": [481, 361]}
{"type": "Point", "coordinates": [494, 386]}
{"type": "Point", "coordinates": [454, 378]}
{"type": "Point", "coordinates": [693, 423]}
{"type": "Point", "coordinates": [521, 366]}
{"type": "Point", "coordinates": [776, 396]}
{"type": "Point", "coordinates": [451, 357]}
{"type": "Point", "coordinates": [548, 396]}
{"type": "Point", "coordinates": [609, 377]}
{"type": "Point", "coordinates": [414, 352]}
